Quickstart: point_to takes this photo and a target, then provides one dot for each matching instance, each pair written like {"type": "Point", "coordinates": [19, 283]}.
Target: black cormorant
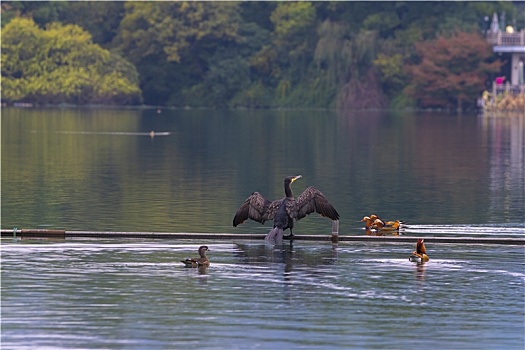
{"type": "Point", "coordinates": [284, 211]}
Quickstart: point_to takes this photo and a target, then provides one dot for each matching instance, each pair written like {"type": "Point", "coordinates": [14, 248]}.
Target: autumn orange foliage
{"type": "Point", "coordinates": [451, 70]}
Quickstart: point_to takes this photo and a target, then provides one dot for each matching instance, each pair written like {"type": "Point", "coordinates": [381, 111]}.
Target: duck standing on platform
{"type": "Point", "coordinates": [420, 254]}
{"type": "Point", "coordinates": [198, 262]}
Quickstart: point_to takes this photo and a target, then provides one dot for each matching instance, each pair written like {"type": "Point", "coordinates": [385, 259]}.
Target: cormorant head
{"type": "Point", "coordinates": [291, 179]}
{"type": "Point", "coordinates": [287, 182]}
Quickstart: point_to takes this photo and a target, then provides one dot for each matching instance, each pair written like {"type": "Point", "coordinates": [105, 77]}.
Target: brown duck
{"type": "Point", "coordinates": [368, 222]}
{"type": "Point", "coordinates": [198, 262]}
{"type": "Point", "coordinates": [420, 254]}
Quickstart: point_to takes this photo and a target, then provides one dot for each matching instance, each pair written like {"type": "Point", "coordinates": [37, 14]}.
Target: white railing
{"type": "Point", "coordinates": [508, 88]}
{"type": "Point", "coordinates": [507, 39]}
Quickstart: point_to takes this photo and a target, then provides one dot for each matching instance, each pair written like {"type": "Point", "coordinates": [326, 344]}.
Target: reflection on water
{"type": "Point", "coordinates": [136, 294]}
{"type": "Point", "coordinates": [101, 169]}
{"type": "Point", "coordinates": [507, 162]}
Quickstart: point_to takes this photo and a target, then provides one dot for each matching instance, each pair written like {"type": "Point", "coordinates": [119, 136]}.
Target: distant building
{"type": "Point", "coordinates": [509, 42]}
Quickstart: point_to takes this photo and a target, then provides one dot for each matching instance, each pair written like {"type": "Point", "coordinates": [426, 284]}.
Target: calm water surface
{"type": "Point", "coordinates": [101, 170]}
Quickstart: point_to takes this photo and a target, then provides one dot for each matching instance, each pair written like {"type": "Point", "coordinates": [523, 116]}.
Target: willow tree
{"type": "Point", "coordinates": [290, 52]}
{"type": "Point", "coordinates": [332, 55]}
{"type": "Point", "coordinates": [361, 87]}
{"type": "Point", "coordinates": [61, 64]}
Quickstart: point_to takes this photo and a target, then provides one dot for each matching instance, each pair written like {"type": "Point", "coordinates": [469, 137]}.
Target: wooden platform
{"type": "Point", "coordinates": [63, 234]}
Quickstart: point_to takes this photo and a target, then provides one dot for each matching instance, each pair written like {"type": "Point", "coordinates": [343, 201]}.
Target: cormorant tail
{"type": "Point", "coordinates": [275, 236]}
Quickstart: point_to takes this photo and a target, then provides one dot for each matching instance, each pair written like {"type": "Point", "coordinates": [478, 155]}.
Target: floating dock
{"type": "Point", "coordinates": [63, 234]}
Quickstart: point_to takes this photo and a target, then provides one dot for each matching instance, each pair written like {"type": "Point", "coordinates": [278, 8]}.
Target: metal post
{"type": "Point", "coordinates": [335, 231]}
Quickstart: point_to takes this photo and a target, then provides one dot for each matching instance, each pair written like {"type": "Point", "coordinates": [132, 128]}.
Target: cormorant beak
{"type": "Point", "coordinates": [296, 178]}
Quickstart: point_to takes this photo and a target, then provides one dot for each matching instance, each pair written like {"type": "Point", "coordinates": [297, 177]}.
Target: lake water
{"type": "Point", "coordinates": [103, 170]}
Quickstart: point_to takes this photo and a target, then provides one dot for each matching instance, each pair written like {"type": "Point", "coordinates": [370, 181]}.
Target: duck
{"type": "Point", "coordinates": [368, 222]}
{"type": "Point", "coordinates": [378, 224]}
{"type": "Point", "coordinates": [420, 254]}
{"type": "Point", "coordinates": [398, 224]}
{"type": "Point", "coordinates": [380, 228]}
{"type": "Point", "coordinates": [374, 221]}
{"type": "Point", "coordinates": [392, 225]}
{"type": "Point", "coordinates": [198, 262]}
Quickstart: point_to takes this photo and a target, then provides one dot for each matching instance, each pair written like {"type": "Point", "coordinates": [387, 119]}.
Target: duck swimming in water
{"type": "Point", "coordinates": [388, 226]}
{"type": "Point", "coordinates": [374, 222]}
{"type": "Point", "coordinates": [198, 262]}
{"type": "Point", "coordinates": [368, 222]}
{"type": "Point", "coordinates": [420, 254]}
{"type": "Point", "coordinates": [398, 224]}
{"type": "Point", "coordinates": [379, 228]}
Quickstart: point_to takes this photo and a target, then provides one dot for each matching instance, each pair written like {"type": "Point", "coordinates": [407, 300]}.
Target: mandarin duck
{"type": "Point", "coordinates": [368, 222]}
{"type": "Point", "coordinates": [420, 254]}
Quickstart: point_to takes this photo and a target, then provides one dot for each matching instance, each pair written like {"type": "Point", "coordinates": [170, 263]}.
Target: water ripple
{"type": "Point", "coordinates": [118, 295]}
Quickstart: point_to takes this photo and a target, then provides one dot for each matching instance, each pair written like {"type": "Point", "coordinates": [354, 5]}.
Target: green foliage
{"type": "Point", "coordinates": [292, 18]}
{"type": "Point", "coordinates": [289, 55]}
{"type": "Point", "coordinates": [243, 54]}
{"type": "Point", "coordinates": [171, 28]}
{"type": "Point", "coordinates": [61, 65]}
{"type": "Point", "coordinates": [184, 50]}
{"type": "Point", "coordinates": [254, 96]}
{"type": "Point", "coordinates": [42, 12]}
{"type": "Point", "coordinates": [100, 18]}
{"type": "Point", "coordinates": [391, 68]}
{"type": "Point", "coordinates": [333, 52]}
{"type": "Point", "coordinates": [383, 22]}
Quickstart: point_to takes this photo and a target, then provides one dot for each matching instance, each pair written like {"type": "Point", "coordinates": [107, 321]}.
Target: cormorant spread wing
{"type": "Point", "coordinates": [254, 207]}
{"type": "Point", "coordinates": [284, 211]}
{"type": "Point", "coordinates": [273, 208]}
{"type": "Point", "coordinates": [313, 200]}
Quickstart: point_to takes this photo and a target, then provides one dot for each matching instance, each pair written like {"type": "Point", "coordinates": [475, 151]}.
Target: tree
{"type": "Point", "coordinates": [450, 70]}
{"type": "Point", "coordinates": [228, 78]}
{"type": "Point", "coordinates": [42, 12]}
{"type": "Point", "coordinates": [264, 54]}
{"type": "Point", "coordinates": [100, 18]}
{"type": "Point", "coordinates": [284, 69]}
{"type": "Point", "coordinates": [62, 65]}
{"type": "Point", "coordinates": [176, 39]}
{"type": "Point", "coordinates": [173, 29]}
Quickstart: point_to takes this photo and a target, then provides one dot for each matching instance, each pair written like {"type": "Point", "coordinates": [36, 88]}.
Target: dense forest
{"type": "Point", "coordinates": [251, 54]}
